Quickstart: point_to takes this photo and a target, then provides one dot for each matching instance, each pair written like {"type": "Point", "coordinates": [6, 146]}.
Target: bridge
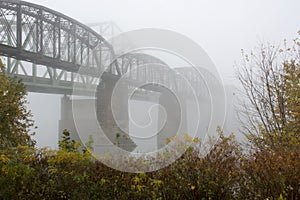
{"type": "Point", "coordinates": [53, 53]}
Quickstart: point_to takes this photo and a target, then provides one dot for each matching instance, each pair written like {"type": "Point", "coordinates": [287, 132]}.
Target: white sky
{"type": "Point", "coordinates": [221, 28]}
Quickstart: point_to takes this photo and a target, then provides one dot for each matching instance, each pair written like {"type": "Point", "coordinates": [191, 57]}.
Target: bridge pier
{"type": "Point", "coordinates": [87, 124]}
{"type": "Point", "coordinates": [172, 117]}
{"type": "Point", "coordinates": [66, 118]}
{"type": "Point", "coordinates": [115, 125]}
{"type": "Point", "coordinates": [191, 116]}
{"type": "Point", "coordinates": [85, 121]}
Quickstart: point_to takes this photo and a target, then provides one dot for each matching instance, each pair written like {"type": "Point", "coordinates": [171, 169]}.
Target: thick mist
{"type": "Point", "coordinates": [222, 29]}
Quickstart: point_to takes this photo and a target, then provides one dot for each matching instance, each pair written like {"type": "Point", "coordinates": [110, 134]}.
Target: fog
{"type": "Point", "coordinates": [221, 28]}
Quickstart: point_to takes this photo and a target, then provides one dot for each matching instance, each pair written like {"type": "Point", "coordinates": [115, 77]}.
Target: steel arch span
{"type": "Point", "coordinates": [43, 36]}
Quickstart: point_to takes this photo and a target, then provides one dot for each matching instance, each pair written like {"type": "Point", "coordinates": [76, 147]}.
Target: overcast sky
{"type": "Point", "coordinates": [221, 28]}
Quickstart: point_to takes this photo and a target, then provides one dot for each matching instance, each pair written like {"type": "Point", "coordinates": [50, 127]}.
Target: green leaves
{"type": "Point", "coordinates": [15, 119]}
{"type": "Point", "coordinates": [68, 144]}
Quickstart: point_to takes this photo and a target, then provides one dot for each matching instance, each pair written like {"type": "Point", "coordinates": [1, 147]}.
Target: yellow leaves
{"type": "Point", "coordinates": [156, 183]}
{"type": "Point", "coordinates": [103, 181]}
{"type": "Point", "coordinates": [141, 177]}
{"type": "Point", "coordinates": [138, 188]}
{"type": "Point", "coordinates": [191, 186]}
{"type": "Point", "coordinates": [52, 170]}
{"type": "Point", "coordinates": [22, 148]}
{"type": "Point", "coordinates": [187, 138]}
{"type": "Point", "coordinates": [196, 140]}
{"type": "Point", "coordinates": [138, 184]}
{"type": "Point", "coordinates": [88, 153]}
{"type": "Point", "coordinates": [280, 197]}
{"type": "Point", "coordinates": [168, 140]}
{"type": "Point", "coordinates": [27, 159]}
{"type": "Point", "coordinates": [133, 187]}
{"type": "Point", "coordinates": [4, 159]}
{"type": "Point", "coordinates": [77, 145]}
{"type": "Point", "coordinates": [184, 138]}
{"type": "Point", "coordinates": [136, 180]}
{"type": "Point", "coordinates": [141, 181]}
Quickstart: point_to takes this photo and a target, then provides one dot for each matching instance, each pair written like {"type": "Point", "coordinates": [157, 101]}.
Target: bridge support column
{"type": "Point", "coordinates": [107, 119]}
{"type": "Point", "coordinates": [85, 121]}
{"type": "Point", "coordinates": [66, 118]}
{"type": "Point", "coordinates": [173, 115]}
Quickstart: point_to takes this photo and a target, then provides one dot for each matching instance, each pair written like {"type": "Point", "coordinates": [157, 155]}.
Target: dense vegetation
{"type": "Point", "coordinates": [267, 169]}
{"type": "Point", "coordinates": [225, 173]}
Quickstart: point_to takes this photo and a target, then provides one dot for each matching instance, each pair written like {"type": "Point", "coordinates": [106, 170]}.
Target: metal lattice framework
{"type": "Point", "coordinates": [144, 68]}
{"type": "Point", "coordinates": [46, 49]}
{"type": "Point", "coordinates": [39, 35]}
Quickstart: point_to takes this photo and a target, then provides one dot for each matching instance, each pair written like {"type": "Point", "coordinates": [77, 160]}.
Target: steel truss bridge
{"type": "Point", "coordinates": [46, 49]}
{"type": "Point", "coordinates": [52, 53]}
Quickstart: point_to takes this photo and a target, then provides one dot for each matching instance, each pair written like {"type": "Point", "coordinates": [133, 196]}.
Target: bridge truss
{"type": "Point", "coordinates": [56, 45]}
{"type": "Point", "coordinates": [46, 49]}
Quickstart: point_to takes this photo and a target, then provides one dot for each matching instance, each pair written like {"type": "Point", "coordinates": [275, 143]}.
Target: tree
{"type": "Point", "coordinates": [15, 119]}
{"type": "Point", "coordinates": [270, 78]}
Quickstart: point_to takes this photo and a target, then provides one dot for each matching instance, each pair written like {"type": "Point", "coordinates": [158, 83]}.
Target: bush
{"type": "Point", "coordinates": [29, 173]}
{"type": "Point", "coordinates": [271, 174]}
{"type": "Point", "coordinates": [225, 173]}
